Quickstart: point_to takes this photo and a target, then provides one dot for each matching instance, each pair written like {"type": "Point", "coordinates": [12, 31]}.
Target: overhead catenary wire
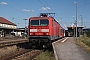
{"type": "Point", "coordinates": [84, 7]}
{"type": "Point", "coordinates": [13, 18]}
{"type": "Point", "coordinates": [43, 4]}
{"type": "Point", "coordinates": [20, 5]}
{"type": "Point", "coordinates": [17, 9]}
{"type": "Point", "coordinates": [49, 11]}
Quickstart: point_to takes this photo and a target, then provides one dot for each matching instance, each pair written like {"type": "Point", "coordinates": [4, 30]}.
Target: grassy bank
{"type": "Point", "coordinates": [84, 42]}
{"type": "Point", "coordinates": [45, 56]}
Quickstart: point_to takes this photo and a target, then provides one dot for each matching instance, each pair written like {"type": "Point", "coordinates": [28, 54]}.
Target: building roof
{"type": "Point", "coordinates": [73, 25]}
{"type": "Point", "coordinates": [5, 21]}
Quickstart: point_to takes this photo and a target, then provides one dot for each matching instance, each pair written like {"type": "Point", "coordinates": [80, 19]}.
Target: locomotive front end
{"type": "Point", "coordinates": [39, 31]}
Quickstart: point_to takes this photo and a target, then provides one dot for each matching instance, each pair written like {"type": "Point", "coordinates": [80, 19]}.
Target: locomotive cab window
{"type": "Point", "coordinates": [34, 22]}
{"type": "Point", "coordinates": [39, 22]}
{"type": "Point", "coordinates": [44, 22]}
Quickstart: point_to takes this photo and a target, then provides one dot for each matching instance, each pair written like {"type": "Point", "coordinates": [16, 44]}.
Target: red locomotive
{"type": "Point", "coordinates": [43, 30]}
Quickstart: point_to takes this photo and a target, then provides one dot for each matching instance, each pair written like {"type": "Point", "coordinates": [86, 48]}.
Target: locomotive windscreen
{"type": "Point", "coordinates": [39, 22]}
{"type": "Point", "coordinates": [34, 22]}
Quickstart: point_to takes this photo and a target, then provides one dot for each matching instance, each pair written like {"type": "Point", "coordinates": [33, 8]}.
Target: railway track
{"type": "Point", "coordinates": [11, 42]}
{"type": "Point", "coordinates": [28, 56]}
{"type": "Point", "coordinates": [21, 54]}
{"type": "Point", "coordinates": [16, 53]}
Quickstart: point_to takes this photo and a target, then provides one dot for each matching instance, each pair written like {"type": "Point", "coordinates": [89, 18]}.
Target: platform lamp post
{"type": "Point", "coordinates": [76, 19]}
{"type": "Point", "coordinates": [74, 24]}
{"type": "Point", "coordinates": [25, 26]}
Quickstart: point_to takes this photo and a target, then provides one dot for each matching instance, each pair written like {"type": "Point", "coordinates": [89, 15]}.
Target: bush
{"type": "Point", "coordinates": [88, 33]}
{"type": "Point", "coordinates": [45, 56]}
{"type": "Point", "coordinates": [86, 41]}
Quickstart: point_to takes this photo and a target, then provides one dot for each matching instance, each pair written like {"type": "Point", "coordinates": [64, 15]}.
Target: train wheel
{"type": "Point", "coordinates": [37, 45]}
{"type": "Point", "coordinates": [30, 44]}
{"type": "Point", "coordinates": [41, 45]}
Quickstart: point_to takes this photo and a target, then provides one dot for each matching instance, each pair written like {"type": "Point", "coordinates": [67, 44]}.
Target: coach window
{"type": "Point", "coordinates": [61, 29]}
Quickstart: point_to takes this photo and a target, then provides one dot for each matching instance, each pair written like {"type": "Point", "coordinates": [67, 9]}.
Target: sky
{"type": "Point", "coordinates": [18, 10]}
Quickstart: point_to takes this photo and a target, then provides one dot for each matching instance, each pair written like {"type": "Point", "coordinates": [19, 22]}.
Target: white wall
{"type": "Point", "coordinates": [7, 26]}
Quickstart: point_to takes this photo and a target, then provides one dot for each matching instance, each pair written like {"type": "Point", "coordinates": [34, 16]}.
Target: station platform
{"type": "Point", "coordinates": [68, 50]}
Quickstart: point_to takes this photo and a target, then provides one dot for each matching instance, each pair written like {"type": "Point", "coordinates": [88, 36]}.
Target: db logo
{"type": "Point", "coordinates": [39, 30]}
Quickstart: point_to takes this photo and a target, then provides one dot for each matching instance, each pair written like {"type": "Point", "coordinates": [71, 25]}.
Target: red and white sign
{"type": "Point", "coordinates": [39, 30]}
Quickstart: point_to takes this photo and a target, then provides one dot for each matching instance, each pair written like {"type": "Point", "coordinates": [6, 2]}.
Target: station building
{"type": "Point", "coordinates": [7, 28]}
{"type": "Point", "coordinates": [72, 30]}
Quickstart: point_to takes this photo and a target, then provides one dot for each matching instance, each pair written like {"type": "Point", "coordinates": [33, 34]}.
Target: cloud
{"type": "Point", "coordinates": [45, 8]}
{"type": "Point", "coordinates": [3, 3]}
{"type": "Point", "coordinates": [16, 9]}
{"type": "Point", "coordinates": [32, 10]}
{"type": "Point", "coordinates": [0, 16]}
{"type": "Point", "coordinates": [26, 10]}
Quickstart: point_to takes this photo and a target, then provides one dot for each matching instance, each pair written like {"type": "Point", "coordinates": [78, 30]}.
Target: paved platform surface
{"type": "Point", "coordinates": [68, 50]}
